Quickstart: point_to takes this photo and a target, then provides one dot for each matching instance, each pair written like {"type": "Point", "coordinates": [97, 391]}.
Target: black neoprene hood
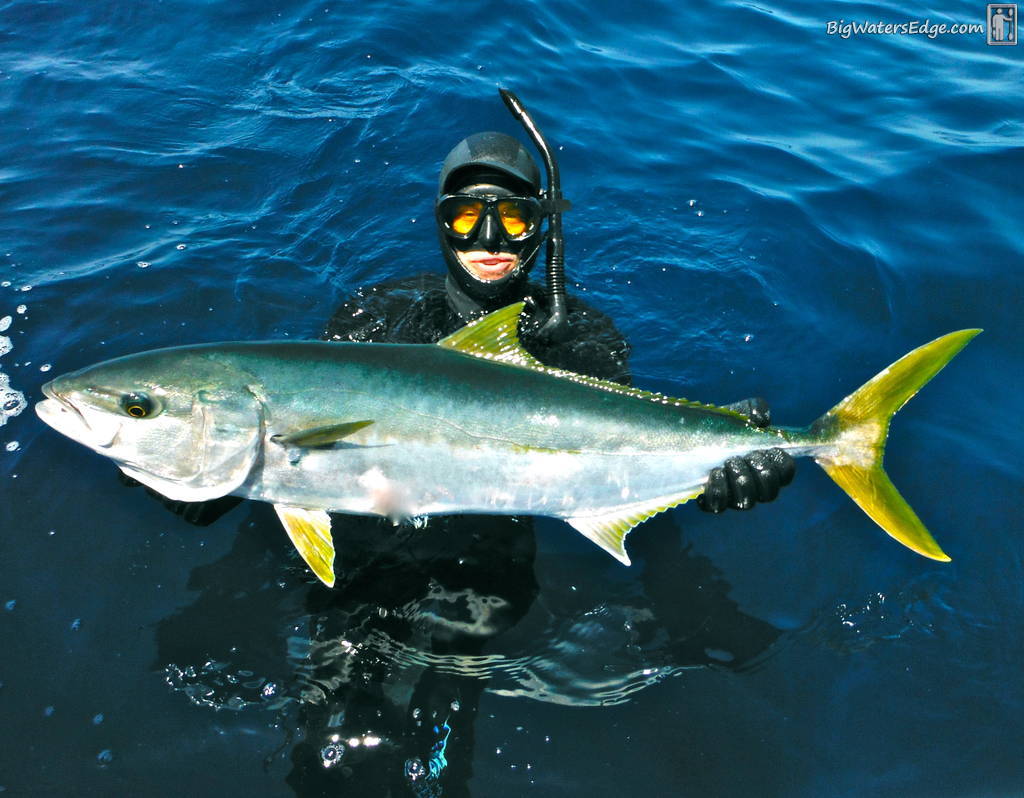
{"type": "Point", "coordinates": [498, 159]}
{"type": "Point", "coordinates": [489, 151]}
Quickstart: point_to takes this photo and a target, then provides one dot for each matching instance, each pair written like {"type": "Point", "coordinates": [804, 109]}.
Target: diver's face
{"type": "Point", "coordinates": [489, 254]}
{"type": "Point", "coordinates": [487, 266]}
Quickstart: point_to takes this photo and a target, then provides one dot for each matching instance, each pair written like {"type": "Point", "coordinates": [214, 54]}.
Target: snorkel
{"type": "Point", "coordinates": [554, 205]}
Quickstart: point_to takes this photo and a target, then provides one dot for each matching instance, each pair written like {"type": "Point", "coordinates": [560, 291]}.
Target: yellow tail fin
{"type": "Point", "coordinates": [859, 426]}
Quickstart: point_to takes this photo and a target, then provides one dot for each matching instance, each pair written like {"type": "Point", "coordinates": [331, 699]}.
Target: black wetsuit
{"type": "Point", "coordinates": [452, 589]}
{"type": "Point", "coordinates": [449, 592]}
{"type": "Point", "coordinates": [448, 589]}
{"type": "Point", "coordinates": [415, 310]}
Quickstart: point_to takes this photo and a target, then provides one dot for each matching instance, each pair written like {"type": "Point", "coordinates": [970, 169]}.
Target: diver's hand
{"type": "Point", "coordinates": [744, 481]}
{"type": "Point", "coordinates": [755, 408]}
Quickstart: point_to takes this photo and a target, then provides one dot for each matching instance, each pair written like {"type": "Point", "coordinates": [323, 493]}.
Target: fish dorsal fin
{"type": "Point", "coordinates": [609, 530]}
{"type": "Point", "coordinates": [310, 531]}
{"type": "Point", "coordinates": [496, 337]}
{"type": "Point", "coordinates": [493, 337]}
{"type": "Point", "coordinates": [320, 436]}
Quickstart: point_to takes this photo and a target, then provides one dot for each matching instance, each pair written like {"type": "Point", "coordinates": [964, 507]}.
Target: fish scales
{"type": "Point", "coordinates": [472, 425]}
{"type": "Point", "coordinates": [454, 433]}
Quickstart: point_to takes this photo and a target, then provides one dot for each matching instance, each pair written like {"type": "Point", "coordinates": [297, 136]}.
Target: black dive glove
{"type": "Point", "coordinates": [744, 481]}
{"type": "Point", "coordinates": [755, 409]}
{"type": "Point", "coordinates": [196, 513]}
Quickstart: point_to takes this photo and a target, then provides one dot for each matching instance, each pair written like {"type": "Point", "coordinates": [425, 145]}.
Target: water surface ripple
{"type": "Point", "coordinates": [762, 208]}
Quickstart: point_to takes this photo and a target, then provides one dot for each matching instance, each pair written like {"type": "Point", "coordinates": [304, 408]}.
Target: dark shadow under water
{"type": "Point", "coordinates": [378, 681]}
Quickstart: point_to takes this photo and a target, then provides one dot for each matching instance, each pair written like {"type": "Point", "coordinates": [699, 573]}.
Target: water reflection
{"type": "Point", "coordinates": [379, 680]}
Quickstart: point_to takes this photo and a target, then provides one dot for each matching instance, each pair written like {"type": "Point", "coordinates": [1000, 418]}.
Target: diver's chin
{"type": "Point", "coordinates": [486, 266]}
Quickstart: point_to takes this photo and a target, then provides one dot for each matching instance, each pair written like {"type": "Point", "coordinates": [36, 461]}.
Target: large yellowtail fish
{"type": "Point", "coordinates": [473, 424]}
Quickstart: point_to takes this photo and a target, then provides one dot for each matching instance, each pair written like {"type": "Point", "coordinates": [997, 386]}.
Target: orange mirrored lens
{"type": "Point", "coordinates": [513, 219]}
{"type": "Point", "coordinates": [465, 216]}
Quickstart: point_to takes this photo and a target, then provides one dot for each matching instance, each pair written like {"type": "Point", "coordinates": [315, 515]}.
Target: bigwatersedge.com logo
{"type": "Point", "coordinates": [1002, 23]}
{"type": "Point", "coordinates": [1000, 26]}
{"type": "Point", "coordinates": [916, 27]}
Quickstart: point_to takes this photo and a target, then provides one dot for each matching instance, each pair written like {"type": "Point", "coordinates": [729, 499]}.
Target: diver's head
{"type": "Point", "coordinates": [489, 215]}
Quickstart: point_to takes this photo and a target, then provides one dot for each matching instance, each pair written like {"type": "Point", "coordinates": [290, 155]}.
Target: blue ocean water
{"type": "Point", "coordinates": [764, 209]}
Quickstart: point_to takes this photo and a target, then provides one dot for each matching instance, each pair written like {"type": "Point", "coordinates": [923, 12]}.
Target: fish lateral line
{"type": "Point", "coordinates": [495, 337]}
{"type": "Point", "coordinates": [220, 443]}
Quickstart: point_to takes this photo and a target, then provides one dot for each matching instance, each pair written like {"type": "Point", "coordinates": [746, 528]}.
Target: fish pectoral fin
{"type": "Point", "coordinates": [320, 436]}
{"type": "Point", "coordinates": [610, 529]}
{"type": "Point", "coordinates": [310, 532]}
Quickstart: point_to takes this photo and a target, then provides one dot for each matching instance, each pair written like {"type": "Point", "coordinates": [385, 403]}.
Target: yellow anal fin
{"type": "Point", "coordinates": [610, 529]}
{"type": "Point", "coordinates": [310, 532]}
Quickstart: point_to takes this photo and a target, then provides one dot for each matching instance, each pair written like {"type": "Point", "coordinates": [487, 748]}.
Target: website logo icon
{"type": "Point", "coordinates": [1002, 23]}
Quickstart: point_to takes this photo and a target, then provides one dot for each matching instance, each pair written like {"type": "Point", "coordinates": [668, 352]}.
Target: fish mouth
{"type": "Point", "coordinates": [50, 392]}
{"type": "Point", "coordinates": [66, 405]}
{"type": "Point", "coordinates": [60, 412]}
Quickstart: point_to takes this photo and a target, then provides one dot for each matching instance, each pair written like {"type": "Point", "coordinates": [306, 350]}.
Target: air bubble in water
{"type": "Point", "coordinates": [414, 769]}
{"type": "Point", "coordinates": [332, 753]}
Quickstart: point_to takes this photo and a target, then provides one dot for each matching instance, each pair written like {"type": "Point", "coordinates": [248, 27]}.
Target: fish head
{"type": "Point", "coordinates": [183, 421]}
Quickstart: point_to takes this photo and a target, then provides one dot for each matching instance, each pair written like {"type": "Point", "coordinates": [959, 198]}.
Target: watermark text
{"type": "Point", "coordinates": [917, 27]}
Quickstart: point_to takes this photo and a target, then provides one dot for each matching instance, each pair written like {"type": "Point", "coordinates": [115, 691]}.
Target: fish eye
{"type": "Point", "coordinates": [137, 405]}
